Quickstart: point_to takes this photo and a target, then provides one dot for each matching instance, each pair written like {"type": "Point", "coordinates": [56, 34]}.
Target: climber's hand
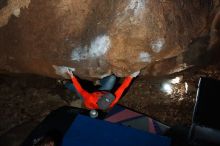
{"type": "Point", "coordinates": [135, 74]}
{"type": "Point", "coordinates": [70, 73]}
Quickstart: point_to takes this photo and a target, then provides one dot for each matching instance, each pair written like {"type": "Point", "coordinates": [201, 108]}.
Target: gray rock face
{"type": "Point", "coordinates": [95, 38]}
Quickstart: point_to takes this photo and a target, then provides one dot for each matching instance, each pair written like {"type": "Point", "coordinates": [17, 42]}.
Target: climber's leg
{"type": "Point", "coordinates": [72, 88]}
{"type": "Point", "coordinates": [107, 83]}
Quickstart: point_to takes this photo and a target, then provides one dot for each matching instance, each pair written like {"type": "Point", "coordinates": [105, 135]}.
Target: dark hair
{"type": "Point", "coordinates": [46, 141]}
{"type": "Point", "coordinates": [52, 138]}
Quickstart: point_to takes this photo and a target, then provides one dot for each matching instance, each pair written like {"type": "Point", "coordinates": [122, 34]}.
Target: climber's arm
{"type": "Point", "coordinates": [123, 86]}
{"type": "Point", "coordinates": [77, 85]}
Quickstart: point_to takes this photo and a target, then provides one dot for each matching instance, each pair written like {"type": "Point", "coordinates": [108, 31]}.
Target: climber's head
{"type": "Point", "coordinates": [105, 101]}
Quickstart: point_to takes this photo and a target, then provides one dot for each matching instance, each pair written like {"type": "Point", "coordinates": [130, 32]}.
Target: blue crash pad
{"type": "Point", "coordinates": [86, 131]}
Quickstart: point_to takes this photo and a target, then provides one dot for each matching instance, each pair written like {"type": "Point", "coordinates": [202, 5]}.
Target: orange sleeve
{"type": "Point", "coordinates": [79, 89]}
{"type": "Point", "coordinates": [121, 89]}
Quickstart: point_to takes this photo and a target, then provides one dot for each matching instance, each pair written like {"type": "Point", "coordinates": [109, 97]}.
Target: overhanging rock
{"type": "Point", "coordinates": [95, 38]}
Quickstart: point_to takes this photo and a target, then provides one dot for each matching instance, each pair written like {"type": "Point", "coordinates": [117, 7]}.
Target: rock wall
{"type": "Point", "coordinates": [11, 7]}
{"type": "Point", "coordinates": [95, 38]}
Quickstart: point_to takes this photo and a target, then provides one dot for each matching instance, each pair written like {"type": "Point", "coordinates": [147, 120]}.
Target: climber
{"type": "Point", "coordinates": [102, 99]}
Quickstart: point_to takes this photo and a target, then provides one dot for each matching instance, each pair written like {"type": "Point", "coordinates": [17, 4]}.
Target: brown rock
{"type": "Point", "coordinates": [96, 37]}
{"type": "Point", "coordinates": [11, 7]}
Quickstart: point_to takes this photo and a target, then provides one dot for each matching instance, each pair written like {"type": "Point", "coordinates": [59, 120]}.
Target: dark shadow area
{"type": "Point", "coordinates": [3, 3]}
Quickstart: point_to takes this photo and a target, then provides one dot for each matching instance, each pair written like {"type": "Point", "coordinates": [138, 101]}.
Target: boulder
{"type": "Point", "coordinates": [95, 38]}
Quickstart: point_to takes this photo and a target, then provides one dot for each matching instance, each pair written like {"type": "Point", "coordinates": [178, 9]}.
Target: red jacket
{"type": "Point", "coordinates": [91, 99]}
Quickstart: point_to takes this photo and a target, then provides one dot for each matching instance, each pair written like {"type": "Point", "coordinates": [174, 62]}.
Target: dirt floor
{"type": "Point", "coordinates": [147, 96]}
{"type": "Point", "coordinates": [26, 99]}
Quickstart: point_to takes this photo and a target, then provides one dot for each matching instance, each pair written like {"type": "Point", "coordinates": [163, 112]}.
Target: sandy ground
{"type": "Point", "coordinates": [26, 99]}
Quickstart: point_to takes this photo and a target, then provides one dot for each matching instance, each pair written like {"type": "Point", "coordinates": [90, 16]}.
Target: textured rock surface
{"type": "Point", "coordinates": [95, 37]}
{"type": "Point", "coordinates": [11, 7]}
